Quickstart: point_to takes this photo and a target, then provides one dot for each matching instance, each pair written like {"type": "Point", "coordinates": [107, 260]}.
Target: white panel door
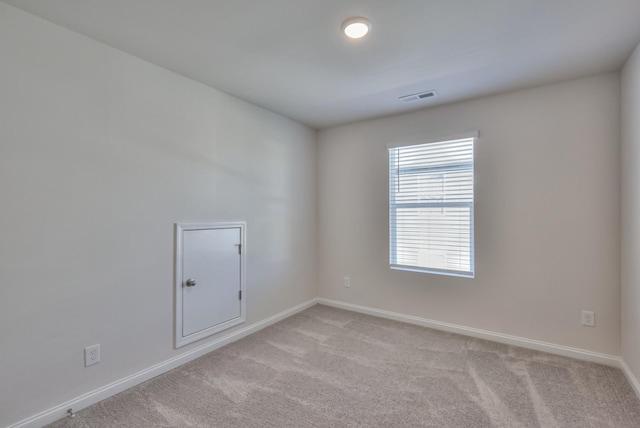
{"type": "Point", "coordinates": [210, 280]}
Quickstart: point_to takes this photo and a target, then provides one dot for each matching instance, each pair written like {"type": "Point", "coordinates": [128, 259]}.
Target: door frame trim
{"type": "Point", "coordinates": [179, 229]}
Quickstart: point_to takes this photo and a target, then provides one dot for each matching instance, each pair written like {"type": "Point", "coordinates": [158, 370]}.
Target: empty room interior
{"type": "Point", "coordinates": [323, 213]}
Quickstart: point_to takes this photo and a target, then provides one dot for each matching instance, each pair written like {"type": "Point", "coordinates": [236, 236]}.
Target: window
{"type": "Point", "coordinates": [431, 207]}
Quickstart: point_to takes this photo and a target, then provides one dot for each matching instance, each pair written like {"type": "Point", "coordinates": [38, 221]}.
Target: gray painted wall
{"type": "Point", "coordinates": [547, 215]}
{"type": "Point", "coordinates": [100, 154]}
{"type": "Point", "coordinates": [631, 213]}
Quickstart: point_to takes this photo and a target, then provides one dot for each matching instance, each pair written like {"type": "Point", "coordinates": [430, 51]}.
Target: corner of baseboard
{"type": "Point", "coordinates": [630, 377]}
{"type": "Point", "coordinates": [92, 397]}
{"type": "Point", "coordinates": [60, 411]}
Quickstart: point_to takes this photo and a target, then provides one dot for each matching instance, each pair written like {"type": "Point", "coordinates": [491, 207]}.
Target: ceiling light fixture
{"type": "Point", "coordinates": [356, 28]}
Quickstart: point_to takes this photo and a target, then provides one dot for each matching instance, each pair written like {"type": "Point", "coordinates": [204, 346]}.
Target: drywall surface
{"type": "Point", "coordinates": [547, 215]}
{"type": "Point", "coordinates": [631, 213]}
{"type": "Point", "coordinates": [100, 154]}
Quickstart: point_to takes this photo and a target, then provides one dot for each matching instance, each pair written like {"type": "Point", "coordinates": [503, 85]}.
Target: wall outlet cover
{"type": "Point", "coordinates": [588, 318]}
{"type": "Point", "coordinates": [91, 355]}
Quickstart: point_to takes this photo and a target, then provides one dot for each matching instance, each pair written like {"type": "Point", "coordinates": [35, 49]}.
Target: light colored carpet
{"type": "Point", "coordinates": [326, 367]}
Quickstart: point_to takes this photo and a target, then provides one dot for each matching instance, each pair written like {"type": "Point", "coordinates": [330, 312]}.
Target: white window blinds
{"type": "Point", "coordinates": [431, 207]}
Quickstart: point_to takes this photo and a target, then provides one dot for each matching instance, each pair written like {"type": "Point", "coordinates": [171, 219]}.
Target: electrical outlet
{"type": "Point", "coordinates": [347, 281]}
{"type": "Point", "coordinates": [91, 355]}
{"type": "Point", "coordinates": [588, 318]}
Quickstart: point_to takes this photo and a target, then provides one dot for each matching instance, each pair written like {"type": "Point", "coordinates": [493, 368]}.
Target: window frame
{"type": "Point", "coordinates": [462, 166]}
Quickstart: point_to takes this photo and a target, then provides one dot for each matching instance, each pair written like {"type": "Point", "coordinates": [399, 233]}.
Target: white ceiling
{"type": "Point", "coordinates": [290, 57]}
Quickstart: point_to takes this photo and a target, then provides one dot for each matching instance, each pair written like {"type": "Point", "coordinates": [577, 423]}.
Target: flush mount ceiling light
{"type": "Point", "coordinates": [356, 28]}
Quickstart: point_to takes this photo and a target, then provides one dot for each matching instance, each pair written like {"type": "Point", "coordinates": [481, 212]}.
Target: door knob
{"type": "Point", "coordinates": [190, 282]}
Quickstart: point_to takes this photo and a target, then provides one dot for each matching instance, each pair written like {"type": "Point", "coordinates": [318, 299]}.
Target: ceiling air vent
{"type": "Point", "coordinates": [417, 97]}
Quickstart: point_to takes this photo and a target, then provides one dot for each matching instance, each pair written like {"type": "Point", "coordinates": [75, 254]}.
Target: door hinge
{"type": "Point", "coordinates": [239, 248]}
{"type": "Point", "coordinates": [239, 294]}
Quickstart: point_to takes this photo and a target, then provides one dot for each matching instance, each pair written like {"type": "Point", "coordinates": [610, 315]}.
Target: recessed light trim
{"type": "Point", "coordinates": [356, 28]}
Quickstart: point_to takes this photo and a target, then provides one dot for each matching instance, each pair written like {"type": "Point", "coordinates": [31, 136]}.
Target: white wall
{"type": "Point", "coordinates": [631, 213]}
{"type": "Point", "coordinates": [547, 215]}
{"type": "Point", "coordinates": [100, 154]}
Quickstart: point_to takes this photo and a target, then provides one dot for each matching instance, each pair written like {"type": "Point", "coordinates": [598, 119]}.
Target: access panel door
{"type": "Point", "coordinates": [209, 279]}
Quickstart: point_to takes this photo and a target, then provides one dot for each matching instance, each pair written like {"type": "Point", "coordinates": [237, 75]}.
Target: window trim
{"type": "Point", "coordinates": [435, 139]}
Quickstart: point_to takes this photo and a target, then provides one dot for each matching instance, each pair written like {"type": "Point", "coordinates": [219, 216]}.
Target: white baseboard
{"type": "Point", "coordinates": [92, 397]}
{"type": "Point", "coordinates": [85, 400]}
{"type": "Point", "coordinates": [579, 354]}
{"type": "Point", "coordinates": [551, 348]}
{"type": "Point", "coordinates": [630, 377]}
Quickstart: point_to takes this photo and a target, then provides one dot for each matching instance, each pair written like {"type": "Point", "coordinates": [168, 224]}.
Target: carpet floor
{"type": "Point", "coordinates": [326, 367]}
